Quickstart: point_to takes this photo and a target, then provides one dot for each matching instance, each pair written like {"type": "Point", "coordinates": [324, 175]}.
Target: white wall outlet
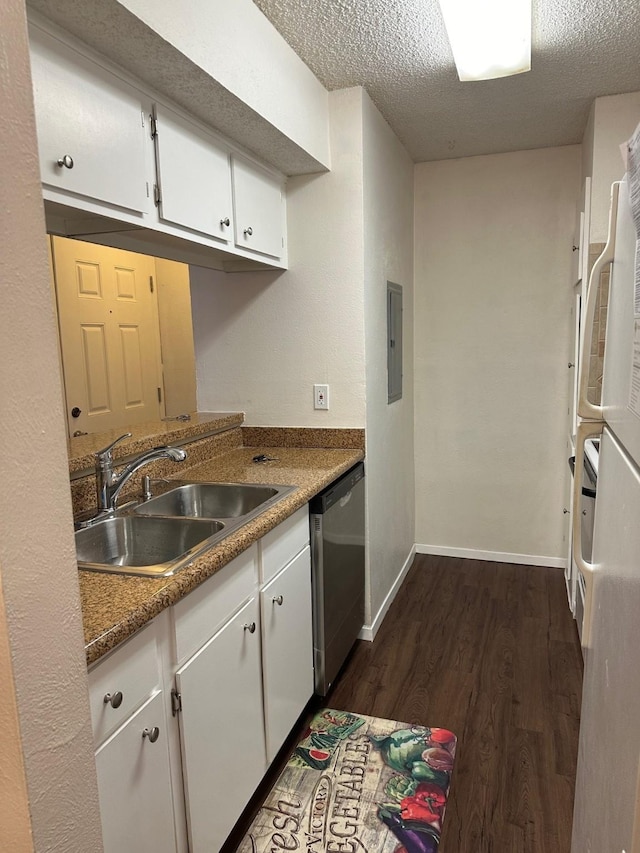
{"type": "Point", "coordinates": [320, 396]}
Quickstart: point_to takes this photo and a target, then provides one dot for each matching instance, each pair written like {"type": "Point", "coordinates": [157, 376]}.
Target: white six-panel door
{"type": "Point", "coordinates": [108, 318]}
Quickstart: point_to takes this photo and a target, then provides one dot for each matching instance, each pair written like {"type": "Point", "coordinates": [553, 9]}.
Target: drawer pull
{"type": "Point", "coordinates": [153, 734]}
{"type": "Point", "coordinates": [113, 699]}
{"type": "Point", "coordinates": [277, 599]}
{"type": "Point", "coordinates": [250, 627]}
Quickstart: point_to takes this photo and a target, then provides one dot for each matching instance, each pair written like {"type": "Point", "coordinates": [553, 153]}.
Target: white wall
{"type": "Point", "coordinates": [615, 117]}
{"type": "Point", "coordinates": [262, 339]}
{"type": "Point", "coordinates": [42, 661]}
{"type": "Point", "coordinates": [493, 240]}
{"type": "Point", "coordinates": [388, 256]}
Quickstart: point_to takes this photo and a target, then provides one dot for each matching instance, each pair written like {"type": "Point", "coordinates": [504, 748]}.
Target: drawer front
{"type": "Point", "coordinates": [199, 615]}
{"type": "Point", "coordinates": [133, 670]}
{"type": "Point", "coordinates": [282, 543]}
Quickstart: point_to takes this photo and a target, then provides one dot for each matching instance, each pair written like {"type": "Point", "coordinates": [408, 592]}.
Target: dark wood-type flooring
{"type": "Point", "coordinates": [490, 651]}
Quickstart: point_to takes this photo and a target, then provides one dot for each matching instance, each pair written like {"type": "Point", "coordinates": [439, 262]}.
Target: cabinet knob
{"type": "Point", "coordinates": [571, 364]}
{"type": "Point", "coordinates": [248, 231]}
{"type": "Point", "coordinates": [66, 161]}
{"type": "Point", "coordinates": [153, 734]}
{"type": "Point", "coordinates": [277, 599]}
{"type": "Point", "coordinates": [250, 627]}
{"type": "Point", "coordinates": [565, 511]}
{"type": "Point", "coordinates": [113, 699]}
{"type": "Point", "coordinates": [226, 221]}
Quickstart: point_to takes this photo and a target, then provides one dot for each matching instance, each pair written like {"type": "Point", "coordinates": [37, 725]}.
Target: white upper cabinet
{"type": "Point", "coordinates": [258, 209]}
{"type": "Point", "coordinates": [90, 124]}
{"type": "Point", "coordinates": [193, 177]}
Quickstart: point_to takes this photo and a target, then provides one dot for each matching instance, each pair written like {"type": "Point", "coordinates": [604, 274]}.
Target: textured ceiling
{"type": "Point", "coordinates": [398, 50]}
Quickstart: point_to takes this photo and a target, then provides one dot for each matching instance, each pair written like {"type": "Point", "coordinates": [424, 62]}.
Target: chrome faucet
{"type": "Point", "coordinates": [109, 484]}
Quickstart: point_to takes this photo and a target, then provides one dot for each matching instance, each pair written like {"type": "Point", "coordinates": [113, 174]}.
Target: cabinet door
{"type": "Point", "coordinates": [193, 176]}
{"type": "Point", "coordinates": [257, 198]}
{"type": "Point", "coordinates": [287, 649]}
{"type": "Point", "coordinates": [134, 785]}
{"type": "Point", "coordinates": [90, 116]}
{"type": "Point", "coordinates": [222, 730]}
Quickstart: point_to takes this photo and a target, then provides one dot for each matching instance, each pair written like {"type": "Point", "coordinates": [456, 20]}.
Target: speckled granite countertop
{"type": "Point", "coordinates": [81, 449]}
{"type": "Point", "coordinates": [115, 606]}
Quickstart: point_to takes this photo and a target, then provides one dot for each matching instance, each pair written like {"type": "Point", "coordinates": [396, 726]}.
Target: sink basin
{"type": "Point", "coordinates": [138, 545]}
{"type": "Point", "coordinates": [160, 536]}
{"type": "Point", "coordinates": [211, 500]}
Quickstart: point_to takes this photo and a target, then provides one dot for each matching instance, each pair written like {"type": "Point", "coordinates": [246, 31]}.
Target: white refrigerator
{"type": "Point", "coordinates": [607, 800]}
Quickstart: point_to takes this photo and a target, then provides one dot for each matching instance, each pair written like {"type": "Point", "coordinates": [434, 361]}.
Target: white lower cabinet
{"type": "Point", "coordinates": [287, 663]}
{"type": "Point", "coordinates": [221, 728]}
{"type": "Point", "coordinates": [236, 655]}
{"type": "Point", "coordinates": [134, 784]}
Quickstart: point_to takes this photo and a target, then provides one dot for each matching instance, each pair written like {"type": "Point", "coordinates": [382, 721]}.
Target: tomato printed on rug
{"type": "Point", "coordinates": [357, 783]}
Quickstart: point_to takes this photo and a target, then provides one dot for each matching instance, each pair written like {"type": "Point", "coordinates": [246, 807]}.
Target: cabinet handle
{"type": "Point", "coordinates": [66, 161]}
{"type": "Point", "coordinates": [277, 599]}
{"type": "Point", "coordinates": [248, 231]}
{"type": "Point", "coordinates": [113, 699]}
{"type": "Point", "coordinates": [153, 734]}
{"type": "Point", "coordinates": [250, 627]}
{"type": "Point", "coordinates": [226, 221]}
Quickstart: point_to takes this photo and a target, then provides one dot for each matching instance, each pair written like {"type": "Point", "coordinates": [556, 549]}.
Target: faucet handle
{"type": "Point", "coordinates": [104, 455]}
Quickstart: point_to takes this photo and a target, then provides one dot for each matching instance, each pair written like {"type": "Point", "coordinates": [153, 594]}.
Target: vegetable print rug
{"type": "Point", "coordinates": [357, 783]}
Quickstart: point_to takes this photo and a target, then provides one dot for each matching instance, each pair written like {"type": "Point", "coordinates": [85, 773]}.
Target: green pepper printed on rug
{"type": "Point", "coordinates": [357, 783]}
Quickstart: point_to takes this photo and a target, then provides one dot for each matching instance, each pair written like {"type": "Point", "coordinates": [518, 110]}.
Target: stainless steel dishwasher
{"type": "Point", "coordinates": [337, 573]}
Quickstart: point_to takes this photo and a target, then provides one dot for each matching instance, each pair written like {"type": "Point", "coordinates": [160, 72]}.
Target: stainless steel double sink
{"type": "Point", "coordinates": [159, 536]}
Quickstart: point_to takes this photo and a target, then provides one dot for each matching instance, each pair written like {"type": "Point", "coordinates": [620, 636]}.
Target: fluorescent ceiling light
{"type": "Point", "coordinates": [489, 38]}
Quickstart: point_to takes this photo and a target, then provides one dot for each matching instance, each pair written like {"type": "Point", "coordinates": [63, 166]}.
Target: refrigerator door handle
{"type": "Point", "coordinates": [585, 408]}
{"type": "Point", "coordinates": [586, 429]}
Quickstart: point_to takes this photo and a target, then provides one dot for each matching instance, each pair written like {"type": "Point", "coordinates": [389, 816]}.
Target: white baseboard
{"type": "Point", "coordinates": [368, 632]}
{"type": "Point", "coordinates": [493, 556]}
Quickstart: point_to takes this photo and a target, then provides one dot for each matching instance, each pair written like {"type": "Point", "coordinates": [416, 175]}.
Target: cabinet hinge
{"type": "Point", "coordinates": [142, 117]}
{"type": "Point", "coordinates": [176, 702]}
{"type": "Point", "coordinates": [151, 283]}
{"type": "Point", "coordinates": [154, 126]}
{"type": "Point", "coordinates": [156, 195]}
{"type": "Point", "coordinates": [159, 394]}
